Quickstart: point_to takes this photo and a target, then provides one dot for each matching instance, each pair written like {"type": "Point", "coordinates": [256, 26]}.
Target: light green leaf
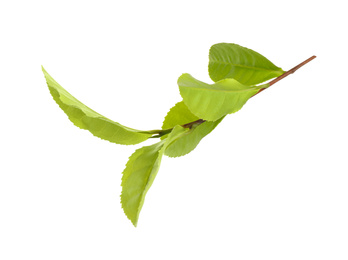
{"type": "Point", "coordinates": [140, 172]}
{"type": "Point", "coordinates": [211, 102]}
{"type": "Point", "coordinates": [228, 60]}
{"type": "Point", "coordinates": [178, 115]}
{"type": "Point", "coordinates": [188, 142]}
{"type": "Point", "coordinates": [143, 163]}
{"type": "Point", "coordinates": [85, 118]}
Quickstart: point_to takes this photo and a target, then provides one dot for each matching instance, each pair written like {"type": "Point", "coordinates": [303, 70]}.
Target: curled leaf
{"type": "Point", "coordinates": [86, 118]}
{"type": "Point", "coordinates": [211, 102]}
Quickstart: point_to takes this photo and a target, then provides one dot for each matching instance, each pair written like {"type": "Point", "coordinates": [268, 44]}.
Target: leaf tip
{"type": "Point", "coordinates": [182, 76]}
{"type": "Point", "coordinates": [43, 69]}
{"type": "Point", "coordinates": [133, 219]}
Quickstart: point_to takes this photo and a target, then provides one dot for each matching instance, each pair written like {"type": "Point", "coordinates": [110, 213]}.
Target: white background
{"type": "Point", "coordinates": [269, 183]}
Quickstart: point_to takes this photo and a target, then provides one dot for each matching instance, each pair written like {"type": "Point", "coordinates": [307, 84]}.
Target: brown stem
{"type": "Point", "coordinates": [189, 125]}
{"type": "Point", "coordinates": [200, 121]}
{"type": "Point", "coordinates": [292, 70]}
{"type": "Point", "coordinates": [288, 73]}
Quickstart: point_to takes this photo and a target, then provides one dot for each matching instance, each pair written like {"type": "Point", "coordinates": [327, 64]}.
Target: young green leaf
{"type": "Point", "coordinates": [228, 60]}
{"type": "Point", "coordinates": [180, 115]}
{"type": "Point", "coordinates": [143, 163]}
{"type": "Point", "coordinates": [140, 172]}
{"type": "Point", "coordinates": [85, 118]}
{"type": "Point", "coordinates": [189, 141]}
{"type": "Point", "coordinates": [211, 102]}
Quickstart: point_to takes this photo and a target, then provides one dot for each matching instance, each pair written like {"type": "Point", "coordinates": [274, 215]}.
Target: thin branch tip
{"type": "Point", "coordinates": [292, 70]}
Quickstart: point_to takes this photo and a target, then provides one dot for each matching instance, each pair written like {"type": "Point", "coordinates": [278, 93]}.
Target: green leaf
{"type": "Point", "coordinates": [211, 102]}
{"type": "Point", "coordinates": [228, 60]}
{"type": "Point", "coordinates": [178, 115]}
{"type": "Point", "coordinates": [140, 172]}
{"type": "Point", "coordinates": [85, 118]}
{"type": "Point", "coordinates": [189, 141]}
{"type": "Point", "coordinates": [136, 180]}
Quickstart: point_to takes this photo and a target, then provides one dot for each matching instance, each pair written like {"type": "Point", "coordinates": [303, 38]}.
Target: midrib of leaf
{"type": "Point", "coordinates": [245, 66]}
{"type": "Point", "coordinates": [227, 91]}
{"type": "Point", "coordinates": [159, 155]}
{"type": "Point", "coordinates": [146, 187]}
{"type": "Point", "coordinates": [215, 88]}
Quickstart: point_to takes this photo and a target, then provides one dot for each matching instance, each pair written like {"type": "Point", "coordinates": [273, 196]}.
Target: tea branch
{"type": "Point", "coordinates": [159, 133]}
